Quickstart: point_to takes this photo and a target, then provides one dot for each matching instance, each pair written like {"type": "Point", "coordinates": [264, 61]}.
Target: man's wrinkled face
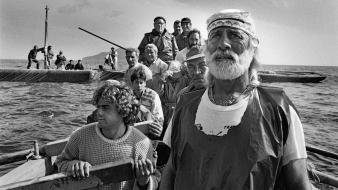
{"type": "Point", "coordinates": [177, 28]}
{"type": "Point", "coordinates": [228, 53]}
{"type": "Point", "coordinates": [150, 55]}
{"type": "Point", "coordinates": [194, 40]}
{"type": "Point", "coordinates": [186, 26]}
{"type": "Point", "coordinates": [131, 58]}
{"type": "Point", "coordinates": [159, 25]}
{"type": "Point", "coordinates": [196, 70]}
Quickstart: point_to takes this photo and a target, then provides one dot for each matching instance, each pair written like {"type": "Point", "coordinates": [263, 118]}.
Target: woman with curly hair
{"type": "Point", "coordinates": [111, 139]}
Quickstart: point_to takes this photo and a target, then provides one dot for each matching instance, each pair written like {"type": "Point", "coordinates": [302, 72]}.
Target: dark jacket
{"type": "Point", "coordinates": [165, 43]}
{"type": "Point", "coordinates": [248, 157]}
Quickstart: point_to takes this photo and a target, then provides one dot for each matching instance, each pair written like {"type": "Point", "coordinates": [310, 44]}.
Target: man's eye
{"type": "Point", "coordinates": [235, 35]}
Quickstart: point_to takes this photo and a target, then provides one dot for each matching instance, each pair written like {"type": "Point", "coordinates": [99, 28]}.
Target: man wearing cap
{"type": "Point", "coordinates": [197, 69]}
{"type": "Point", "coordinates": [236, 134]}
{"type": "Point", "coordinates": [182, 39]}
{"type": "Point", "coordinates": [164, 41]}
{"type": "Point", "coordinates": [194, 40]}
{"type": "Point", "coordinates": [111, 59]}
{"type": "Point", "coordinates": [177, 28]}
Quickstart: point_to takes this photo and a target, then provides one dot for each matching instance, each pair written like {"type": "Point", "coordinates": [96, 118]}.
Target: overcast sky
{"type": "Point", "coordinates": [296, 32]}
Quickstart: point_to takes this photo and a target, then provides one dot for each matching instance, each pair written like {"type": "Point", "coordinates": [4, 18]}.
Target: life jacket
{"type": "Point", "coordinates": [248, 157]}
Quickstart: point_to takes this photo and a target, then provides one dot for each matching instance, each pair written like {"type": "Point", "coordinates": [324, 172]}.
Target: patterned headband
{"type": "Point", "coordinates": [232, 18]}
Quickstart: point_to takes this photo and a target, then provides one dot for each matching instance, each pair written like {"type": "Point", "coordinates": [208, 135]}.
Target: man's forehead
{"type": "Point", "coordinates": [196, 61]}
{"type": "Point", "coordinates": [227, 28]}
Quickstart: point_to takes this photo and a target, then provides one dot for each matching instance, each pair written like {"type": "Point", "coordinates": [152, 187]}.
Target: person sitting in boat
{"type": "Point", "coordinates": [79, 65]}
{"type": "Point", "coordinates": [111, 139]}
{"type": "Point", "coordinates": [50, 55]}
{"type": "Point", "coordinates": [111, 59]}
{"type": "Point", "coordinates": [32, 56]}
{"type": "Point", "coordinates": [70, 65]}
{"type": "Point", "coordinates": [235, 134]}
{"type": "Point", "coordinates": [164, 41]}
{"type": "Point", "coordinates": [60, 61]}
{"type": "Point", "coordinates": [157, 67]}
{"type": "Point", "coordinates": [150, 104]}
{"type": "Point", "coordinates": [132, 56]}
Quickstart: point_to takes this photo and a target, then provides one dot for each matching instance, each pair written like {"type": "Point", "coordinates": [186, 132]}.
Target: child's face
{"type": "Point", "coordinates": [139, 85]}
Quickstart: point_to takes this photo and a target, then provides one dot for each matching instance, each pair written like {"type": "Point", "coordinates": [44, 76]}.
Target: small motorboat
{"type": "Point", "coordinates": [290, 76]}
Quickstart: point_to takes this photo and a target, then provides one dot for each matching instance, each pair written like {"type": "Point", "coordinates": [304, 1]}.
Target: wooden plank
{"type": "Point", "coordinates": [104, 174]}
{"type": "Point", "coordinates": [29, 170]}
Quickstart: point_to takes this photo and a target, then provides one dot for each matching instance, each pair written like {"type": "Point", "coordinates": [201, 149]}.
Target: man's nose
{"type": "Point", "coordinates": [224, 42]}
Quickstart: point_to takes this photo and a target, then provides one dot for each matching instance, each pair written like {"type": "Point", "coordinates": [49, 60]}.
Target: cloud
{"type": "Point", "coordinates": [76, 7]}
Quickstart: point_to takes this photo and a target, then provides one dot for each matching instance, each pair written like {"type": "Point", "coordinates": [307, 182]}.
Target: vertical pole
{"type": "Point", "coordinates": [45, 41]}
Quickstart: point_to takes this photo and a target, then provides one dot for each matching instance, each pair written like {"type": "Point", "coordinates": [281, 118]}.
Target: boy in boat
{"type": "Point", "coordinates": [235, 134]}
{"type": "Point", "coordinates": [150, 104]}
{"type": "Point", "coordinates": [111, 139]}
{"type": "Point", "coordinates": [32, 56]}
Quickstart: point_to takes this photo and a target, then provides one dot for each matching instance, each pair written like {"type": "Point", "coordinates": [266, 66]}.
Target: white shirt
{"type": "Point", "coordinates": [213, 117]}
{"type": "Point", "coordinates": [182, 55]}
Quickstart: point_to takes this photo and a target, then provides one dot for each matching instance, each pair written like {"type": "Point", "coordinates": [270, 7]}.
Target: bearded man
{"type": "Point", "coordinates": [194, 40]}
{"type": "Point", "coordinates": [235, 134]}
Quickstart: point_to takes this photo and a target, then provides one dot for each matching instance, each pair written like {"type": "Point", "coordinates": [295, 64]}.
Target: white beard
{"type": "Point", "coordinates": [228, 69]}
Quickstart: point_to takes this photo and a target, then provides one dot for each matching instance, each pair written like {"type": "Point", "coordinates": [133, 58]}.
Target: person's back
{"type": "Point", "coordinates": [60, 61]}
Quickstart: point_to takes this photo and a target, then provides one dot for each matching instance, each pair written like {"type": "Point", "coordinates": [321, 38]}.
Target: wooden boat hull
{"type": "Point", "coordinates": [20, 75]}
{"type": "Point", "coordinates": [286, 76]}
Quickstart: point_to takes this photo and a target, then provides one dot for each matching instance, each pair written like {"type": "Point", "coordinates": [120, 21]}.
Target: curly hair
{"type": "Point", "coordinates": [117, 93]}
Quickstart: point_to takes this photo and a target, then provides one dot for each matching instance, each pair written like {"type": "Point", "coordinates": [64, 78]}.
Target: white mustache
{"type": "Point", "coordinates": [222, 55]}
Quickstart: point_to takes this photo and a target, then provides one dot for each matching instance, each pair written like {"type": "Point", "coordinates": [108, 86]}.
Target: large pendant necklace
{"type": "Point", "coordinates": [228, 99]}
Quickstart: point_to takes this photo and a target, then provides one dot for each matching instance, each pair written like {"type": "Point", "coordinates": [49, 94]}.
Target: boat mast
{"type": "Point", "coordinates": [45, 41]}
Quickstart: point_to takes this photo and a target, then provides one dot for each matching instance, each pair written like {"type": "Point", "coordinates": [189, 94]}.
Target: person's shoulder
{"type": "Point", "coordinates": [139, 137]}
{"type": "Point", "coordinates": [150, 93]}
{"type": "Point", "coordinates": [188, 97]}
{"type": "Point", "coordinates": [84, 130]}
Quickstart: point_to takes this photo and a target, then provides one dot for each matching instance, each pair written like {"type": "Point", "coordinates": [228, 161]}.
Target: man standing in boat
{"type": "Point", "coordinates": [32, 56]}
{"type": "Point", "coordinates": [164, 41]}
{"type": "Point", "coordinates": [235, 134]}
{"type": "Point", "coordinates": [50, 55]}
{"type": "Point", "coordinates": [111, 59]}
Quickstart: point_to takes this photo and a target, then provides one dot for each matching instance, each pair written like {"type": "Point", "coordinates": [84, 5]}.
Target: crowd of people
{"type": "Point", "coordinates": [223, 129]}
{"type": "Point", "coordinates": [60, 62]}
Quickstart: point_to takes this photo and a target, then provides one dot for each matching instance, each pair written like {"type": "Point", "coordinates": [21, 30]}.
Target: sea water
{"type": "Point", "coordinates": [50, 111]}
